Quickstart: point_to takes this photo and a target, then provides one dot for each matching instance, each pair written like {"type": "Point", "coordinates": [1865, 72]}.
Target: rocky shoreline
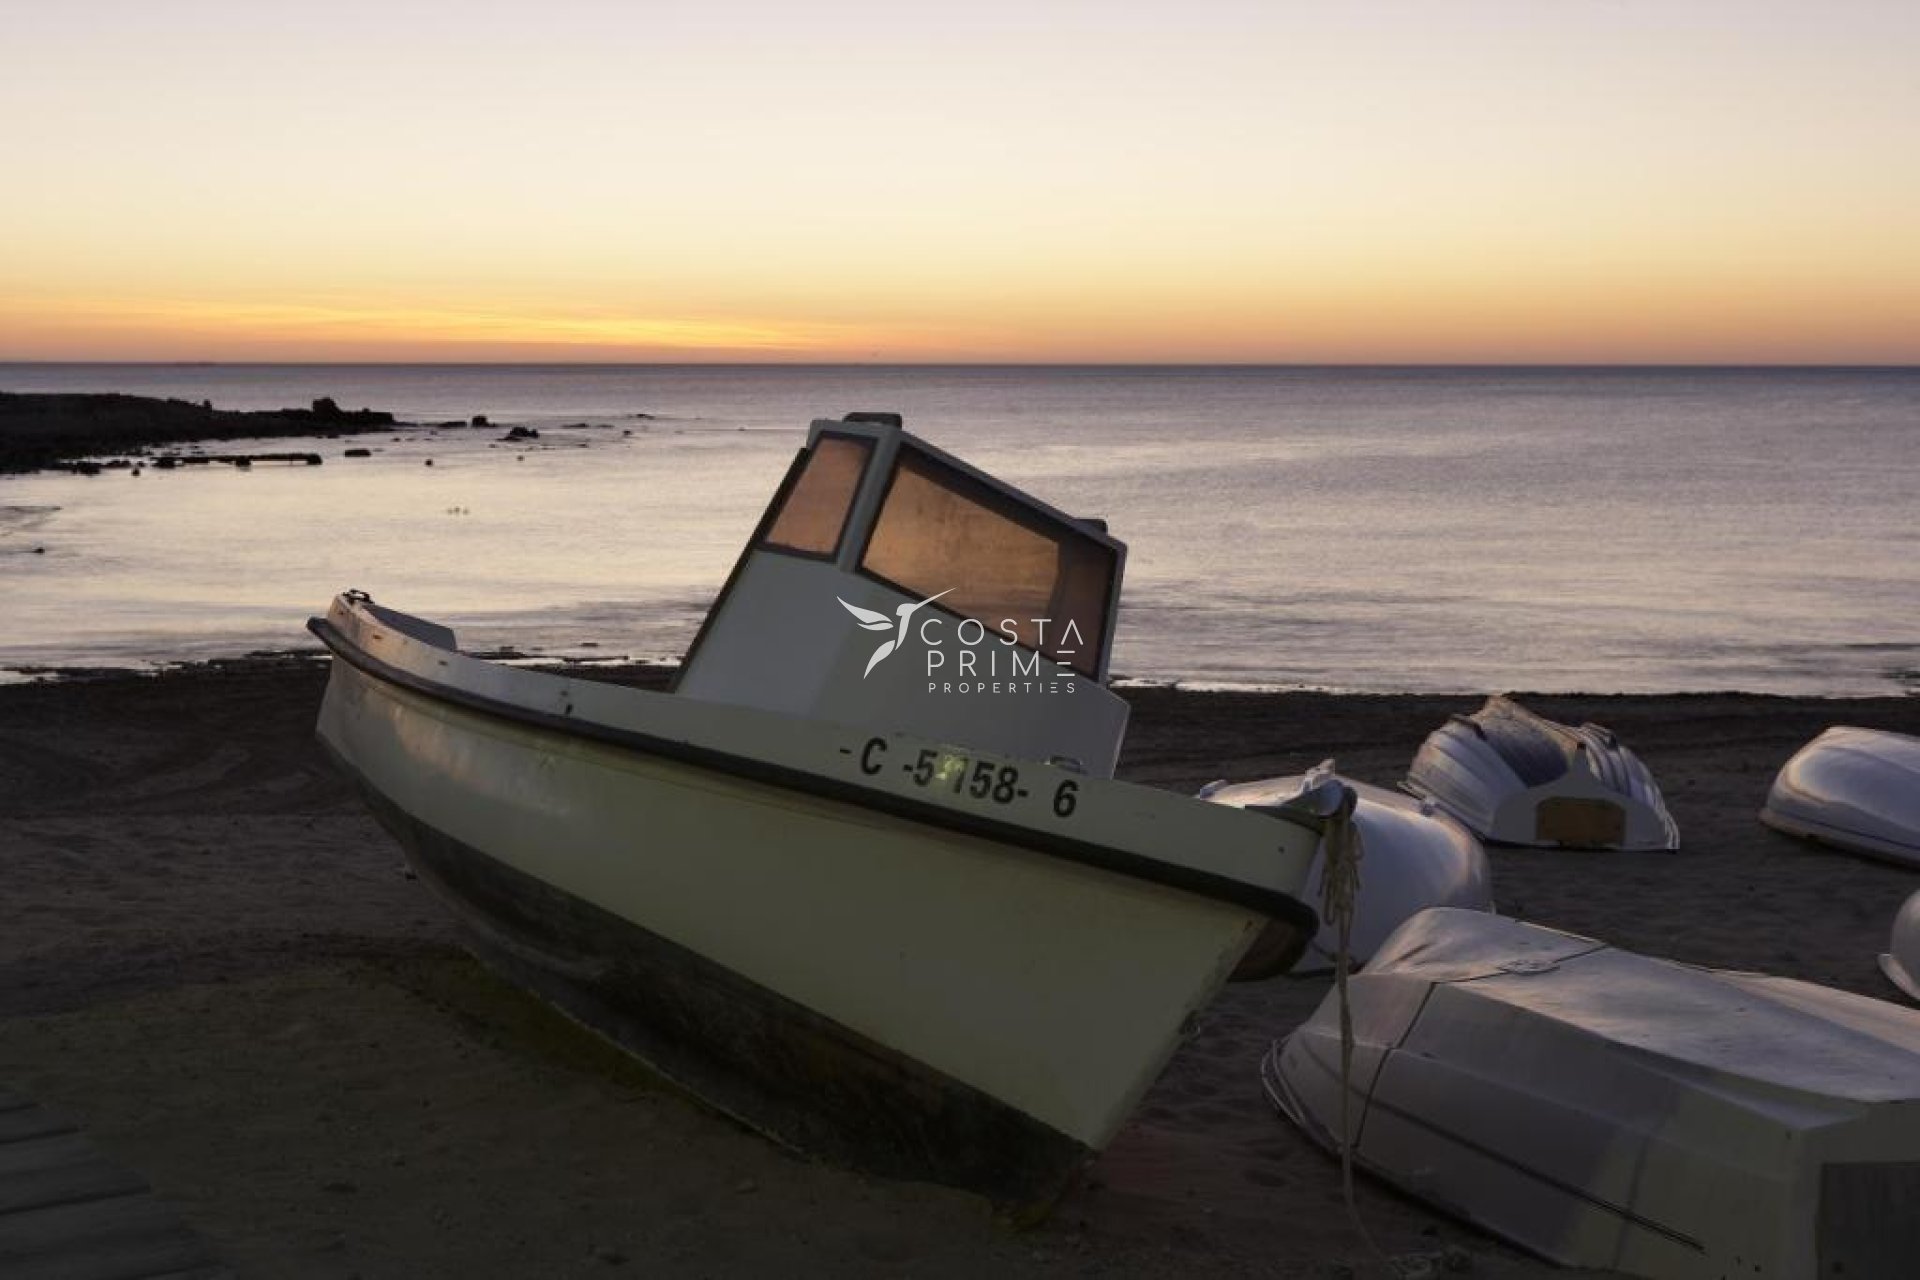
{"type": "Point", "coordinates": [65, 431]}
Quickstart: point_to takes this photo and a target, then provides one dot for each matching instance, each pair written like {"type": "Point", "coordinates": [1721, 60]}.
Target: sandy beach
{"type": "Point", "coordinates": [212, 957]}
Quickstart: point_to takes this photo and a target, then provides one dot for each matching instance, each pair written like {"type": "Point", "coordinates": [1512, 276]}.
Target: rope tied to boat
{"type": "Point", "coordinates": [1339, 899]}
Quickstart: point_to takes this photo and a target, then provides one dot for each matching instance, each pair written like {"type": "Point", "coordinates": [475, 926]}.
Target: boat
{"type": "Point", "coordinates": [1413, 857]}
{"type": "Point", "coordinates": [862, 878]}
{"type": "Point", "coordinates": [1901, 960]}
{"type": "Point", "coordinates": [1854, 789]}
{"type": "Point", "coordinates": [1608, 1110]}
{"type": "Point", "coordinates": [1516, 778]}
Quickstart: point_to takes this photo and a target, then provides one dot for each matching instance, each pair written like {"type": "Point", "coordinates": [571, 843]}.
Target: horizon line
{"type": "Point", "coordinates": [975, 364]}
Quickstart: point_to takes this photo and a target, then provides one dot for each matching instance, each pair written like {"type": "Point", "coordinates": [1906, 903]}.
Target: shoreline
{"type": "Point", "coordinates": [216, 961]}
{"type": "Point", "coordinates": [42, 431]}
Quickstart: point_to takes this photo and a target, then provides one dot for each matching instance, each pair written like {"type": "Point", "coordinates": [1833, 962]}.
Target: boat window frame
{"type": "Point", "coordinates": [1019, 508]}
{"type": "Point", "coordinates": [758, 541]}
{"type": "Point", "coordinates": [762, 535]}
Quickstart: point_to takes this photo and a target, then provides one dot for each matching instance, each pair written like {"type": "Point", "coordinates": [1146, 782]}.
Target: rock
{"type": "Point", "coordinates": [324, 407]}
{"type": "Point", "coordinates": [359, 453]}
{"type": "Point", "coordinates": [39, 551]}
{"type": "Point", "coordinates": [479, 420]}
{"type": "Point", "coordinates": [521, 433]}
{"type": "Point", "coordinates": [428, 462]}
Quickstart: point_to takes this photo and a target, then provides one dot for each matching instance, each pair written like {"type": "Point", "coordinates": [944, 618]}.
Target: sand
{"type": "Point", "coordinates": [211, 956]}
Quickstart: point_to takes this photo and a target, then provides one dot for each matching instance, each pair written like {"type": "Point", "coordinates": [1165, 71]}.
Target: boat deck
{"type": "Point", "coordinates": [68, 1211]}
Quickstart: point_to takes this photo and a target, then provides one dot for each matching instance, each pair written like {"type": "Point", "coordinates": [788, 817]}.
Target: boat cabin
{"type": "Point", "coordinates": [890, 585]}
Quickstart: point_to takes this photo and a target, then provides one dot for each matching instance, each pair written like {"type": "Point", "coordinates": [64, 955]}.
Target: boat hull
{"type": "Point", "coordinates": [1853, 789]}
{"type": "Point", "coordinates": [1607, 1110]}
{"type": "Point", "coordinates": [910, 996]}
{"type": "Point", "coordinates": [1901, 960]}
{"type": "Point", "coordinates": [1514, 778]}
{"type": "Point", "coordinates": [1413, 857]}
{"type": "Point", "coordinates": [745, 1050]}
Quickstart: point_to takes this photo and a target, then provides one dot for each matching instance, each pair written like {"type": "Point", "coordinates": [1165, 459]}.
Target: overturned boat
{"type": "Point", "coordinates": [1854, 789]}
{"type": "Point", "coordinates": [1517, 778]}
{"type": "Point", "coordinates": [1607, 1110]}
{"type": "Point", "coordinates": [863, 879]}
{"type": "Point", "coordinates": [1412, 857]}
{"type": "Point", "coordinates": [1901, 960]}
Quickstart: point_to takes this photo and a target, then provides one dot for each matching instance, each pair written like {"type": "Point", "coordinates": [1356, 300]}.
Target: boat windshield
{"type": "Point", "coordinates": [1011, 568]}
{"type": "Point", "coordinates": [814, 515]}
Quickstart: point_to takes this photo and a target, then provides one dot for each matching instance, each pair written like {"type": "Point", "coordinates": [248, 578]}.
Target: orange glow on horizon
{"type": "Point", "coordinates": [1485, 182]}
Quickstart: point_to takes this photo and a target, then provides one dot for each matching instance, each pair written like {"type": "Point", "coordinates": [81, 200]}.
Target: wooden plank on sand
{"type": "Point", "coordinates": [66, 1211]}
{"type": "Point", "coordinates": [27, 1123]}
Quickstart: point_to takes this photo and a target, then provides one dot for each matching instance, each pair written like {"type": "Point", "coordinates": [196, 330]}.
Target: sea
{"type": "Point", "coordinates": [1456, 530]}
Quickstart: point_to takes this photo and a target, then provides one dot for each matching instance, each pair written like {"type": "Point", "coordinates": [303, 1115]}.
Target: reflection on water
{"type": "Point", "coordinates": [1365, 529]}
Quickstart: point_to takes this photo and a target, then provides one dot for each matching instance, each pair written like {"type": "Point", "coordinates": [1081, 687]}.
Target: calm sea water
{"type": "Point", "coordinates": [1369, 529]}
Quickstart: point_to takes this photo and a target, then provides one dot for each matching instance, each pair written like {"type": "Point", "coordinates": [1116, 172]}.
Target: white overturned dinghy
{"type": "Point", "coordinates": [1854, 789]}
{"type": "Point", "coordinates": [1517, 778]}
{"type": "Point", "coordinates": [1412, 858]}
{"type": "Point", "coordinates": [919, 930]}
{"type": "Point", "coordinates": [1901, 960]}
{"type": "Point", "coordinates": [1607, 1110]}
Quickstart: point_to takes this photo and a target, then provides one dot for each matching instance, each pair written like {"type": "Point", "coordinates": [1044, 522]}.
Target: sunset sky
{"type": "Point", "coordinates": [1201, 181]}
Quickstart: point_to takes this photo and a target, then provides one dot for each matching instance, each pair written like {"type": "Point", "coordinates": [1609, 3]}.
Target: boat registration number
{"type": "Point", "coordinates": [955, 772]}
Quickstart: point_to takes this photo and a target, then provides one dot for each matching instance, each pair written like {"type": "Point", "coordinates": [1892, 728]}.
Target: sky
{"type": "Point", "coordinates": [1481, 181]}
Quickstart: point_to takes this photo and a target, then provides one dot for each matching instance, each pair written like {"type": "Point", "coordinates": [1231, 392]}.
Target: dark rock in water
{"type": "Point", "coordinates": [647, 416]}
{"type": "Point", "coordinates": [325, 410]}
{"type": "Point", "coordinates": [39, 551]}
{"type": "Point", "coordinates": [427, 463]}
{"type": "Point", "coordinates": [522, 433]}
{"type": "Point", "coordinates": [39, 430]}
{"type": "Point", "coordinates": [479, 420]}
{"type": "Point", "coordinates": [359, 453]}
{"type": "Point", "coordinates": [455, 423]}
{"type": "Point", "coordinates": [165, 464]}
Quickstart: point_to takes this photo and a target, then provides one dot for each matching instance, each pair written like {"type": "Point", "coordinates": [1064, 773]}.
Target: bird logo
{"type": "Point", "coordinates": [872, 620]}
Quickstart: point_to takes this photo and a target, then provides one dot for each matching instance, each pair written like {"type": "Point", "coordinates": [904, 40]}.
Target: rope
{"type": "Point", "coordinates": [1339, 898]}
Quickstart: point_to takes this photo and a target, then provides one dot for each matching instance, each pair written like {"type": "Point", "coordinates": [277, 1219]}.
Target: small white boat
{"type": "Point", "coordinates": [1607, 1110]}
{"type": "Point", "coordinates": [1855, 789]}
{"type": "Point", "coordinates": [1517, 778]}
{"type": "Point", "coordinates": [1413, 857]}
{"type": "Point", "coordinates": [864, 879]}
{"type": "Point", "coordinates": [1901, 960]}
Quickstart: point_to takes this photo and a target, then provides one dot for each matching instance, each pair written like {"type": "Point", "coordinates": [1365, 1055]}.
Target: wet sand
{"type": "Point", "coordinates": [212, 957]}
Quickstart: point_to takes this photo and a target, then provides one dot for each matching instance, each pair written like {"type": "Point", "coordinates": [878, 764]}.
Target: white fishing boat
{"type": "Point", "coordinates": [1901, 960]}
{"type": "Point", "coordinates": [1517, 778]}
{"type": "Point", "coordinates": [1413, 857]}
{"type": "Point", "coordinates": [1855, 789]}
{"type": "Point", "coordinates": [863, 879]}
{"type": "Point", "coordinates": [1607, 1110]}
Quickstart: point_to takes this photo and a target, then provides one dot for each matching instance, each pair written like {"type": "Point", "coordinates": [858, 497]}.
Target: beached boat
{"type": "Point", "coordinates": [1901, 960]}
{"type": "Point", "coordinates": [863, 879]}
{"type": "Point", "coordinates": [1413, 857]}
{"type": "Point", "coordinates": [1607, 1110]}
{"type": "Point", "coordinates": [1855, 789]}
{"type": "Point", "coordinates": [1517, 778]}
